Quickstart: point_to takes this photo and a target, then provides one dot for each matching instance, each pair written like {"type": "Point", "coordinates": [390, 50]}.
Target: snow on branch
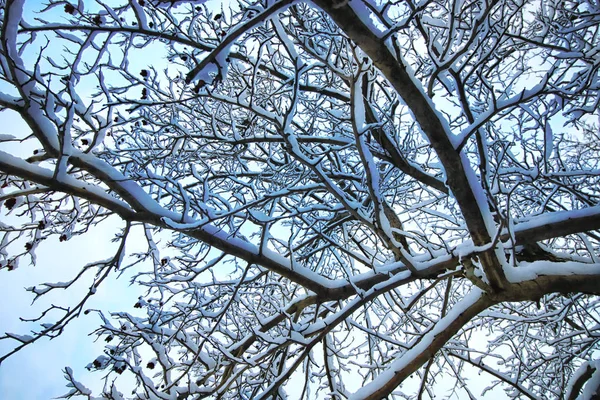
{"type": "Point", "coordinates": [319, 198]}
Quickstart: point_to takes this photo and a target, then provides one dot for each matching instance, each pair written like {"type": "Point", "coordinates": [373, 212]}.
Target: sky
{"type": "Point", "coordinates": [36, 372]}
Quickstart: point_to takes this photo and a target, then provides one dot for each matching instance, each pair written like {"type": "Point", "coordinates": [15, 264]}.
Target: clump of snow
{"type": "Point", "coordinates": [530, 271]}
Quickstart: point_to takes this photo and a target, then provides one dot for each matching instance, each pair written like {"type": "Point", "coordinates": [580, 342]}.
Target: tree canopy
{"type": "Point", "coordinates": [336, 196]}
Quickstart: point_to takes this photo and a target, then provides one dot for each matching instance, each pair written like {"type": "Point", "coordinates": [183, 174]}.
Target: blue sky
{"type": "Point", "coordinates": [36, 371]}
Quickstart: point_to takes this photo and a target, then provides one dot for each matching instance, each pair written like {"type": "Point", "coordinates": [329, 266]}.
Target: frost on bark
{"type": "Point", "coordinates": [336, 196]}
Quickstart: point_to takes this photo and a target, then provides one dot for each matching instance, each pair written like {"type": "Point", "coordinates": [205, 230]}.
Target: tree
{"type": "Point", "coordinates": [351, 193]}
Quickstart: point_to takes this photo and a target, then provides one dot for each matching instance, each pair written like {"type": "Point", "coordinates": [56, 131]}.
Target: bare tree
{"type": "Point", "coordinates": [348, 193]}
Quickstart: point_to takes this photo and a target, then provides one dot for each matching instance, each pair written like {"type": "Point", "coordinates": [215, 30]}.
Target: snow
{"type": "Point", "coordinates": [126, 184]}
{"type": "Point", "coordinates": [255, 108]}
{"type": "Point", "coordinates": [503, 103]}
{"type": "Point", "coordinates": [47, 129]}
{"type": "Point", "coordinates": [260, 216]}
{"type": "Point", "coordinates": [529, 271]}
{"type": "Point", "coordinates": [44, 173]}
{"type": "Point", "coordinates": [358, 107]}
{"type": "Point", "coordinates": [20, 338]}
{"type": "Point", "coordinates": [332, 319]}
{"type": "Point", "coordinates": [208, 70]}
{"type": "Point", "coordinates": [480, 195]}
{"type": "Point", "coordinates": [436, 22]}
{"type": "Point", "coordinates": [250, 249]}
{"type": "Point", "coordinates": [548, 145]}
{"type": "Point", "coordinates": [396, 272]}
{"type": "Point", "coordinates": [368, 17]}
{"type": "Point", "coordinates": [11, 27]}
{"type": "Point", "coordinates": [222, 59]}
{"type": "Point", "coordinates": [311, 275]}
{"type": "Point", "coordinates": [592, 385]}
{"type": "Point", "coordinates": [77, 386]}
{"type": "Point", "coordinates": [556, 217]}
{"type": "Point", "coordinates": [289, 46]}
{"type": "Point", "coordinates": [140, 15]}
{"type": "Point", "coordinates": [418, 348]}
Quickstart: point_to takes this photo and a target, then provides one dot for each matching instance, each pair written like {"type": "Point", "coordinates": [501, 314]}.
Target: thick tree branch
{"type": "Point", "coordinates": [430, 122]}
{"type": "Point", "coordinates": [461, 314]}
